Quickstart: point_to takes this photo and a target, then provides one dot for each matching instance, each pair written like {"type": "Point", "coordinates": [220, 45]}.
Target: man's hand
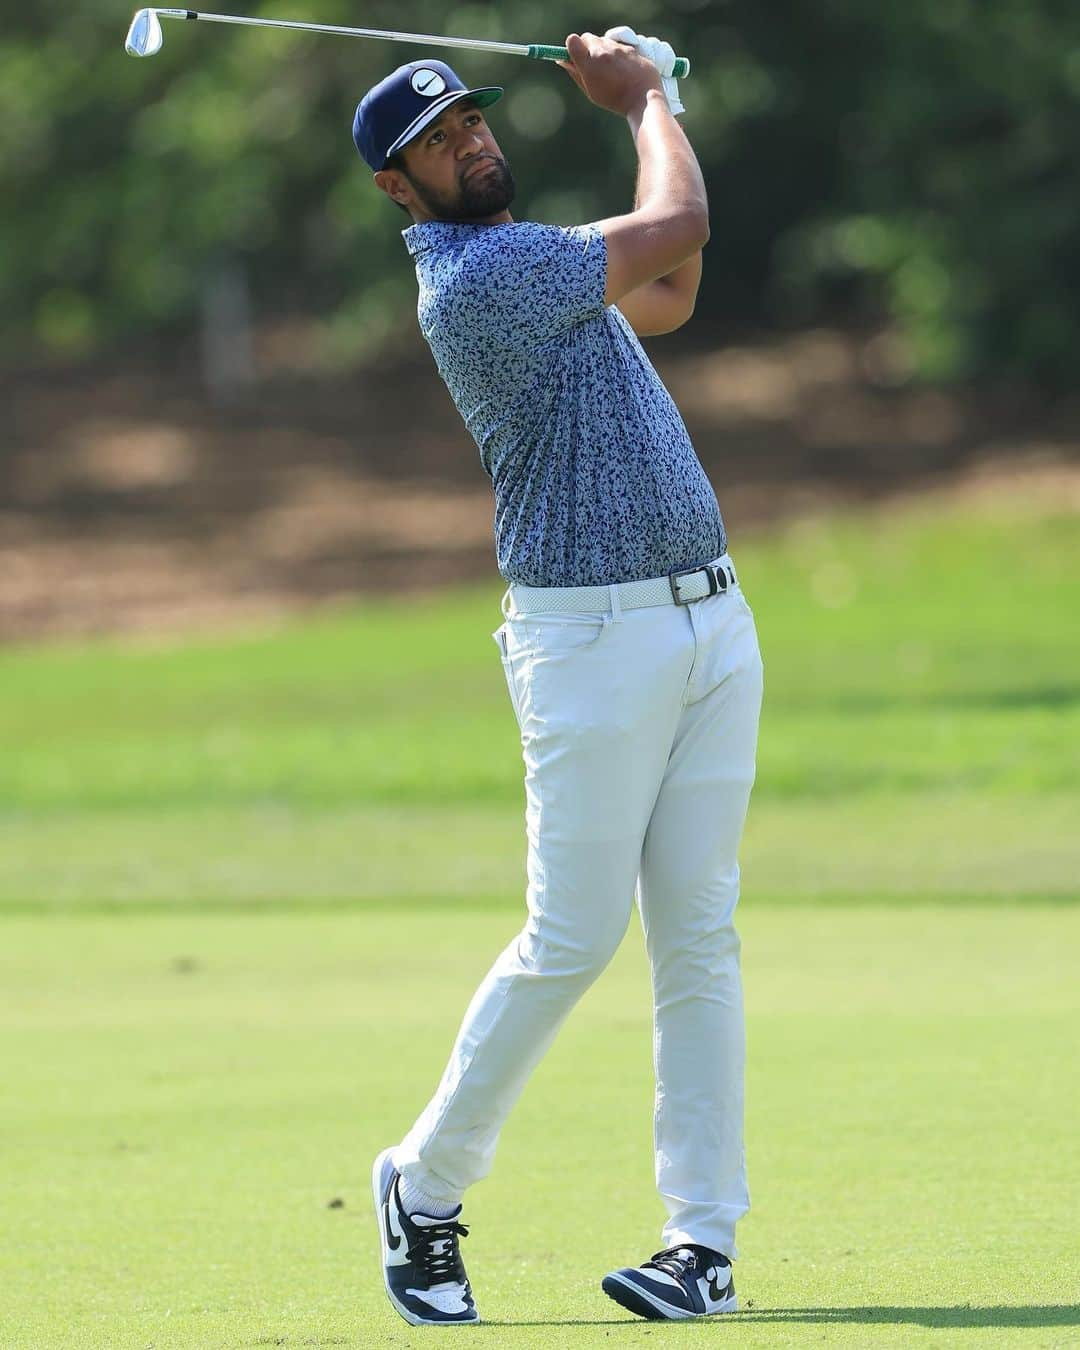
{"type": "Point", "coordinates": [611, 74]}
{"type": "Point", "coordinates": [661, 54]}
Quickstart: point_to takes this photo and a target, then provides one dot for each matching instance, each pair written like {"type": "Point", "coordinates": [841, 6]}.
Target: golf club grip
{"type": "Point", "coordinates": [541, 53]}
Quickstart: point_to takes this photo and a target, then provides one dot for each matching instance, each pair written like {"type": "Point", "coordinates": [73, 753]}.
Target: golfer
{"type": "Point", "coordinates": [630, 656]}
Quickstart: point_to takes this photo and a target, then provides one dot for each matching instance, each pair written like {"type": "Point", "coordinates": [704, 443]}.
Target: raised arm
{"type": "Point", "coordinates": [669, 225]}
{"type": "Point", "coordinates": [663, 305]}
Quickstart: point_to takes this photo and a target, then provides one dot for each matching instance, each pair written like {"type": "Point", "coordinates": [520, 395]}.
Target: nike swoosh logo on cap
{"type": "Point", "coordinates": [421, 87]}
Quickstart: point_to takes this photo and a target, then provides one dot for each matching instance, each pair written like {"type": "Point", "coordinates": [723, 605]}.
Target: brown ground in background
{"type": "Point", "coordinates": [129, 501]}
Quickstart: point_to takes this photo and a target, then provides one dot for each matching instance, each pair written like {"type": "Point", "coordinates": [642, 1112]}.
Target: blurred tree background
{"type": "Point", "coordinates": [908, 165]}
{"type": "Point", "coordinates": [215, 397]}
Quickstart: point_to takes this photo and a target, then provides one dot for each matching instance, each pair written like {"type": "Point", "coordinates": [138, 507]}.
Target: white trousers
{"type": "Point", "coordinates": [639, 731]}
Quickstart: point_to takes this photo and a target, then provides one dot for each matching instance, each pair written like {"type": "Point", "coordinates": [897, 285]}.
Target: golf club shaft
{"type": "Point", "coordinates": [539, 51]}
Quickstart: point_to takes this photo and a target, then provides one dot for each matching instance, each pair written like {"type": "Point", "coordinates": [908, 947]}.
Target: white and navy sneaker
{"type": "Point", "coordinates": [675, 1284]}
{"type": "Point", "coordinates": [422, 1270]}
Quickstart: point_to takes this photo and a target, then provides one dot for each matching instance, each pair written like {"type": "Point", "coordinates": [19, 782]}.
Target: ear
{"type": "Point", "coordinates": [395, 185]}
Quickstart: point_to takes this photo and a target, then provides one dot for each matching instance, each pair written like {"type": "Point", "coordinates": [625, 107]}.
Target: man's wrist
{"type": "Point", "coordinates": [638, 109]}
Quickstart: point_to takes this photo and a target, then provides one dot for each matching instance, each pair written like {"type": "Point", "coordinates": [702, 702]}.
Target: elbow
{"type": "Point", "coordinates": [695, 220]}
{"type": "Point", "coordinates": [689, 225]}
{"type": "Point", "coordinates": [695, 230]}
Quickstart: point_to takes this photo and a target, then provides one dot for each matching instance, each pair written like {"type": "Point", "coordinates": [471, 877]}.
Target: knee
{"type": "Point", "coordinates": [704, 953]}
{"type": "Point", "coordinates": [721, 941]}
{"type": "Point", "coordinates": [578, 954]}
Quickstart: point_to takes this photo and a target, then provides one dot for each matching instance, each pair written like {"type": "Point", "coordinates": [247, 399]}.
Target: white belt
{"type": "Point", "coordinates": [680, 588]}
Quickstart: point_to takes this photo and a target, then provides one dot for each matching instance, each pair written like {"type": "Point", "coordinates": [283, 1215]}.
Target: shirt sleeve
{"type": "Point", "coordinates": [534, 282]}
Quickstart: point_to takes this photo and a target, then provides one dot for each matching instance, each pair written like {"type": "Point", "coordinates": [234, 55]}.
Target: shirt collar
{"type": "Point", "coordinates": [439, 234]}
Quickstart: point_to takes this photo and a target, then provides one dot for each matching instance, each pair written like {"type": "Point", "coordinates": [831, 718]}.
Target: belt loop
{"type": "Point", "coordinates": [507, 595]}
{"type": "Point", "coordinates": [616, 603]}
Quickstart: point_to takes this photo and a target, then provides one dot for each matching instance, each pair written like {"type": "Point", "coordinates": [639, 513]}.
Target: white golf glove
{"type": "Point", "coordinates": [661, 54]}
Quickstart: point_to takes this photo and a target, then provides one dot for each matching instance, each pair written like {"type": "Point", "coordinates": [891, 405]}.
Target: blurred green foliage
{"type": "Point", "coordinates": [913, 163]}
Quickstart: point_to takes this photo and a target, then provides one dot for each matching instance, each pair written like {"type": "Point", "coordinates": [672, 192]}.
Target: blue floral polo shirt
{"type": "Point", "coordinates": [595, 478]}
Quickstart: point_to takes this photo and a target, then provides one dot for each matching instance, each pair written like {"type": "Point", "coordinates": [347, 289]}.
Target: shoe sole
{"type": "Point", "coordinates": [634, 1299]}
{"type": "Point", "coordinates": [376, 1191]}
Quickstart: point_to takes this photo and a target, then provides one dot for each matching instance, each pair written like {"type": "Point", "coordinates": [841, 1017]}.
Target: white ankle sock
{"type": "Point", "coordinates": [416, 1201]}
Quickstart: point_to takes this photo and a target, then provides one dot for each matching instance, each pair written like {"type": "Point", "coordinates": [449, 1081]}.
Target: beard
{"type": "Point", "coordinates": [489, 191]}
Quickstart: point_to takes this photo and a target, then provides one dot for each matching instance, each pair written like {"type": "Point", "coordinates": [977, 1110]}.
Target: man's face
{"type": "Point", "coordinates": [454, 170]}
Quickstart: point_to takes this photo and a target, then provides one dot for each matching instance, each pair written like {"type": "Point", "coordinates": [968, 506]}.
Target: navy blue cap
{"type": "Point", "coordinates": [401, 106]}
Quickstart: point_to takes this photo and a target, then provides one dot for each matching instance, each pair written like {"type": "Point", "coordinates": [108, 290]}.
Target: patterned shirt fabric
{"type": "Point", "coordinates": [595, 478]}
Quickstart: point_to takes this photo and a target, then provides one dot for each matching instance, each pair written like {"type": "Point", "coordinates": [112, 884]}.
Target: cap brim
{"type": "Point", "coordinates": [482, 97]}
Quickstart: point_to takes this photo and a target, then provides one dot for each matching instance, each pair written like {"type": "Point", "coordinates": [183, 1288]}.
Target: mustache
{"type": "Point", "coordinates": [478, 164]}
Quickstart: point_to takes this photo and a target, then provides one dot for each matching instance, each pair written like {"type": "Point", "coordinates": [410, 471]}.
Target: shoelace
{"type": "Point", "coordinates": [436, 1253]}
{"type": "Point", "coordinates": [676, 1261]}
{"type": "Point", "coordinates": [686, 1264]}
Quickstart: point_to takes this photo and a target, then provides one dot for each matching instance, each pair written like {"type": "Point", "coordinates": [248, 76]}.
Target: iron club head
{"type": "Point", "coordinates": [144, 37]}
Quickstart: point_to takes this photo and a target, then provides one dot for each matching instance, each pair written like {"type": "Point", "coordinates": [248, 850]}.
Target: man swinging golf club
{"type": "Point", "coordinates": [630, 656]}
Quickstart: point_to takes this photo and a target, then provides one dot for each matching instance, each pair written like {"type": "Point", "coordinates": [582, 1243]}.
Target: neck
{"type": "Point", "coordinates": [500, 218]}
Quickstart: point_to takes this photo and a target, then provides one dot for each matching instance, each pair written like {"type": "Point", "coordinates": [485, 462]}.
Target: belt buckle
{"type": "Point", "coordinates": [710, 572]}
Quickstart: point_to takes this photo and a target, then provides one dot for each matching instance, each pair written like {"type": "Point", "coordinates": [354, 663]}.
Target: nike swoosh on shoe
{"type": "Point", "coordinates": [416, 1250]}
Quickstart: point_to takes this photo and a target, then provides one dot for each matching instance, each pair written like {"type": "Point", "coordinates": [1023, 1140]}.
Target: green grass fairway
{"type": "Point", "coordinates": [192, 1092]}
{"type": "Point", "coordinates": [248, 885]}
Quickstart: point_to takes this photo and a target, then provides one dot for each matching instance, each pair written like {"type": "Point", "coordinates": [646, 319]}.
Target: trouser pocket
{"type": "Point", "coordinates": [569, 632]}
{"type": "Point", "coordinates": [501, 638]}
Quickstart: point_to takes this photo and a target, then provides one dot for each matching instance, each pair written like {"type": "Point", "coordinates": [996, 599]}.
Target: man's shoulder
{"type": "Point", "coordinates": [474, 260]}
{"type": "Point", "coordinates": [519, 282]}
{"type": "Point", "coordinates": [526, 253]}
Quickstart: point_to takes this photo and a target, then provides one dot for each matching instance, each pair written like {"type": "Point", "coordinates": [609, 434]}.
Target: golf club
{"type": "Point", "coordinates": [145, 37]}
